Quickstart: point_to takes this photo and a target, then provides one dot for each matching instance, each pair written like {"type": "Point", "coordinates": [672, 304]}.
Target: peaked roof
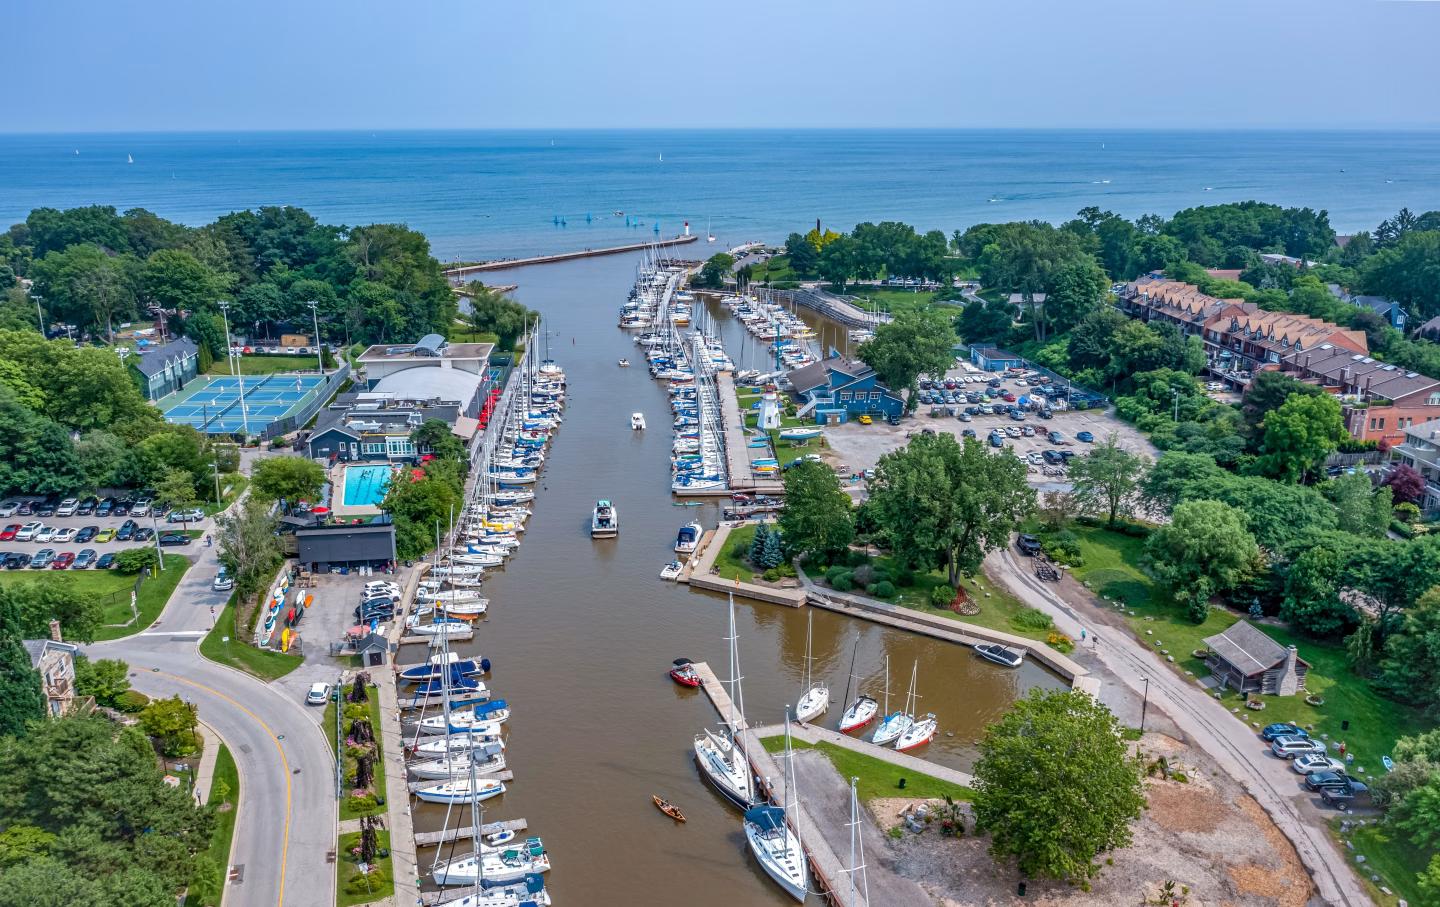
{"type": "Point", "coordinates": [36, 649]}
{"type": "Point", "coordinates": [1247, 648]}
{"type": "Point", "coordinates": [153, 360]}
{"type": "Point", "coordinates": [809, 377]}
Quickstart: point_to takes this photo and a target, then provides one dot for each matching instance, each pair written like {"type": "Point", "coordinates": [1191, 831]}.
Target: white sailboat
{"type": "Point", "coordinates": [856, 875]}
{"type": "Point", "coordinates": [507, 866]}
{"type": "Point", "coordinates": [815, 700]}
{"type": "Point", "coordinates": [461, 790]}
{"type": "Point", "coordinates": [773, 842]}
{"type": "Point", "coordinates": [459, 742]}
{"type": "Point", "coordinates": [723, 763]}
{"type": "Point", "coordinates": [458, 764]}
{"type": "Point", "coordinates": [863, 709]}
{"type": "Point", "coordinates": [920, 730]}
{"type": "Point", "coordinates": [894, 723]}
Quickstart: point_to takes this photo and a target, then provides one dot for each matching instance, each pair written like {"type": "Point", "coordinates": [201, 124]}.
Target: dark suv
{"type": "Point", "coordinates": [105, 507]}
{"type": "Point", "coordinates": [127, 531]}
{"type": "Point", "coordinates": [86, 507]}
{"type": "Point", "coordinates": [1029, 545]}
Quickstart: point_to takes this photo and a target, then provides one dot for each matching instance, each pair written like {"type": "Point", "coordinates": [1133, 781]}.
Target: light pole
{"type": "Point", "coordinates": [39, 316]}
{"type": "Point", "coordinates": [319, 352]}
{"type": "Point", "coordinates": [1175, 392]}
{"type": "Point", "coordinates": [215, 467]}
{"type": "Point", "coordinates": [159, 552]}
{"type": "Point", "coordinates": [1144, 703]}
{"type": "Point", "coordinates": [235, 371]}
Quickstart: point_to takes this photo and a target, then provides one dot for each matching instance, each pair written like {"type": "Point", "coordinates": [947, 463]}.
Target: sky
{"type": "Point", "coordinates": [194, 65]}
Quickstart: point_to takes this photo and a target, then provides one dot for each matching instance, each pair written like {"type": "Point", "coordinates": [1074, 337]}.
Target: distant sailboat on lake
{"type": "Point", "coordinates": [129, 159]}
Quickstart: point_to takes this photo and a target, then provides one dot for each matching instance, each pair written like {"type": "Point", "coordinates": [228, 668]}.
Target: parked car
{"type": "Point", "coordinates": [1290, 747]}
{"type": "Point", "coordinates": [126, 531]}
{"type": "Point", "coordinates": [1085, 436]}
{"type": "Point", "coordinates": [63, 560]}
{"type": "Point", "coordinates": [141, 508]}
{"type": "Point", "coordinates": [107, 560]}
{"type": "Point", "coordinates": [8, 509]}
{"type": "Point", "coordinates": [1052, 457]}
{"type": "Point", "coordinates": [42, 558]}
{"type": "Point", "coordinates": [67, 507]}
{"type": "Point", "coordinates": [1027, 430]}
{"type": "Point", "coordinates": [8, 533]}
{"type": "Point", "coordinates": [1017, 415]}
{"type": "Point", "coordinates": [45, 508]}
{"type": "Point", "coordinates": [86, 533]}
{"type": "Point", "coordinates": [26, 533]}
{"type": "Point", "coordinates": [1338, 797]}
{"type": "Point", "coordinates": [84, 559]}
{"type": "Point", "coordinates": [997, 440]}
{"type": "Point", "coordinates": [193, 515]}
{"type": "Point", "coordinates": [1034, 458]}
{"type": "Point", "coordinates": [44, 534]}
{"type": "Point", "coordinates": [1029, 545]}
{"type": "Point", "coordinates": [1283, 729]}
{"type": "Point", "coordinates": [86, 507]}
{"type": "Point", "coordinates": [319, 694]}
{"type": "Point", "coordinates": [105, 535]}
{"type": "Point", "coordinates": [143, 534]}
{"type": "Point", "coordinates": [1055, 438]}
{"type": "Point", "coordinates": [1012, 431]}
{"type": "Point", "coordinates": [25, 509]}
{"type": "Point", "coordinates": [1323, 780]}
{"type": "Point", "coordinates": [1317, 762]}
{"type": "Point", "coordinates": [63, 535]}
{"type": "Point", "coordinates": [105, 507]}
{"type": "Point", "coordinates": [16, 560]}
{"type": "Point", "coordinates": [170, 539]}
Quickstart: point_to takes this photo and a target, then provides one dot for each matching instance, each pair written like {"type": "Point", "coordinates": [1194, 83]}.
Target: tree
{"type": "Point", "coordinates": [715, 270]}
{"type": "Point", "coordinates": [1360, 507]}
{"type": "Point", "coordinates": [1312, 593]}
{"type": "Point", "coordinates": [1204, 550]}
{"type": "Point", "coordinates": [756, 553]}
{"type": "Point", "coordinates": [916, 343]}
{"type": "Point", "coordinates": [85, 286]}
{"type": "Point", "coordinates": [1266, 393]}
{"type": "Point", "coordinates": [421, 504]}
{"type": "Point", "coordinates": [939, 503]}
{"type": "Point", "coordinates": [171, 721]}
{"type": "Point", "coordinates": [1107, 479]}
{"type": "Point", "coordinates": [817, 520]}
{"type": "Point", "coordinates": [1055, 786]}
{"type": "Point", "coordinates": [435, 437]}
{"type": "Point", "coordinates": [772, 551]}
{"type": "Point", "coordinates": [177, 489]}
{"type": "Point", "coordinates": [493, 312]}
{"type": "Point", "coordinates": [173, 279]}
{"type": "Point", "coordinates": [1300, 435]}
{"type": "Point", "coordinates": [804, 256]}
{"type": "Point", "coordinates": [1076, 289]}
{"type": "Point", "coordinates": [838, 262]}
{"type": "Point", "coordinates": [36, 454]}
{"type": "Point", "coordinates": [287, 478]}
{"type": "Point", "coordinates": [248, 547]}
{"type": "Point", "coordinates": [35, 604]}
{"type": "Point", "coordinates": [105, 679]}
{"type": "Point", "coordinates": [1405, 484]}
{"type": "Point", "coordinates": [22, 699]}
{"type": "Point", "coordinates": [1411, 668]}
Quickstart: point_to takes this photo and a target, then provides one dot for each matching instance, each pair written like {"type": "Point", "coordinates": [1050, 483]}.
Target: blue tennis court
{"type": "Point", "coordinates": [216, 407]}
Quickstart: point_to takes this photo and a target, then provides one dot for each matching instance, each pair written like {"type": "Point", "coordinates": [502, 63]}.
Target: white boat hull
{"type": "Point", "coordinates": [860, 713]}
{"type": "Point", "coordinates": [495, 867]}
{"type": "Point", "coordinates": [461, 791]}
{"type": "Point", "coordinates": [891, 728]}
{"type": "Point", "coordinates": [782, 859]}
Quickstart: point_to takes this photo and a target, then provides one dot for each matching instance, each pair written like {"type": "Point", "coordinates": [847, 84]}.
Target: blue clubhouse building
{"type": "Point", "coordinates": [837, 390]}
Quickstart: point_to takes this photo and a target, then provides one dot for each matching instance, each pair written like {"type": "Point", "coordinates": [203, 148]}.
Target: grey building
{"type": "Point", "coordinates": [167, 367]}
{"type": "Point", "coordinates": [346, 545]}
{"type": "Point", "coordinates": [1248, 661]}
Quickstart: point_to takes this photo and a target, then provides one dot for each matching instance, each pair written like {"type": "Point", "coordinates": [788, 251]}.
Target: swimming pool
{"type": "Point", "coordinates": [365, 485]}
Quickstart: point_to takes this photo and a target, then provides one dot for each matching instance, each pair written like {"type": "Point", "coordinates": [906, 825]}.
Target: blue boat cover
{"type": "Point", "coordinates": [485, 708]}
{"type": "Point", "coordinates": [769, 818]}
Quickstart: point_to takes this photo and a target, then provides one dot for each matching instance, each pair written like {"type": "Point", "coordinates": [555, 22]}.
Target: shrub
{"type": "Point", "coordinates": [865, 575]}
{"type": "Point", "coordinates": [843, 583]}
{"type": "Point", "coordinates": [905, 578]}
{"type": "Point", "coordinates": [354, 711]}
{"type": "Point", "coordinates": [855, 558]}
{"type": "Point", "coordinates": [1032, 619]}
{"type": "Point", "coordinates": [1060, 642]}
{"type": "Point", "coordinates": [941, 596]}
{"type": "Point", "coordinates": [131, 701]}
{"type": "Point", "coordinates": [740, 551]}
{"type": "Point", "coordinates": [132, 560]}
{"type": "Point", "coordinates": [884, 589]}
{"type": "Point", "coordinates": [364, 884]}
{"type": "Point", "coordinates": [362, 804]}
{"type": "Point", "coordinates": [771, 575]}
{"type": "Point", "coordinates": [1063, 547]}
{"type": "Point", "coordinates": [834, 572]}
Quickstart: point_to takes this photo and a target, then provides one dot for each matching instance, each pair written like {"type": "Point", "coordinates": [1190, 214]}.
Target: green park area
{"type": "Point", "coordinates": [221, 645]}
{"type": "Point", "coordinates": [262, 364]}
{"type": "Point", "coordinates": [112, 590]}
{"type": "Point", "coordinates": [354, 886]}
{"type": "Point", "coordinates": [877, 778]}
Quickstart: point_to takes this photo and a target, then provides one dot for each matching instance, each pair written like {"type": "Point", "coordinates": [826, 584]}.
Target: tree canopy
{"type": "Point", "coordinates": [1205, 549]}
{"type": "Point", "coordinates": [817, 519]}
{"type": "Point", "coordinates": [287, 478]}
{"type": "Point", "coordinates": [1107, 480]}
{"type": "Point", "coordinates": [914, 344]}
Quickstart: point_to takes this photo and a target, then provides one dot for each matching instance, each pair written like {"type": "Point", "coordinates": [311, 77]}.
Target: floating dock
{"type": "Point", "coordinates": [436, 838]}
{"type": "Point", "coordinates": [737, 453]}
{"type": "Point", "coordinates": [505, 263]}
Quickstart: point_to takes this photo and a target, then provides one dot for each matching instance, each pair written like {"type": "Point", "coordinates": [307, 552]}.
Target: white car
{"type": "Point", "coordinates": [44, 534]}
{"type": "Point", "coordinates": [27, 532]}
{"type": "Point", "coordinates": [1317, 762]}
{"type": "Point", "coordinates": [319, 694]}
{"type": "Point", "coordinates": [224, 582]}
{"type": "Point", "coordinates": [63, 535]}
{"type": "Point", "coordinates": [141, 507]}
{"type": "Point", "coordinates": [67, 507]}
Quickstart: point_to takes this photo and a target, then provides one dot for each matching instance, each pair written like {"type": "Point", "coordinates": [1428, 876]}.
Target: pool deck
{"type": "Point", "coordinates": [338, 507]}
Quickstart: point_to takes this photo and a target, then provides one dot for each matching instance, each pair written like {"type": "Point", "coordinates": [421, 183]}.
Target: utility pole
{"type": "Point", "coordinates": [1144, 703]}
{"type": "Point", "coordinates": [215, 467]}
{"type": "Point", "coordinates": [39, 316]}
{"type": "Point", "coordinates": [319, 350]}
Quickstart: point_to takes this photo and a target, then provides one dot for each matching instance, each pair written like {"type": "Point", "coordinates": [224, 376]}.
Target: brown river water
{"type": "Point", "coordinates": [582, 632]}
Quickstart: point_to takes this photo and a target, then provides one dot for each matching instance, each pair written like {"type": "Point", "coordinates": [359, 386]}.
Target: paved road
{"type": "Point", "coordinates": [287, 820]}
{"type": "Point", "coordinates": [1233, 745]}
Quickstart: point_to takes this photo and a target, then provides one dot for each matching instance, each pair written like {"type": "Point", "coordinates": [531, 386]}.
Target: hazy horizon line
{"type": "Point", "coordinates": [591, 129]}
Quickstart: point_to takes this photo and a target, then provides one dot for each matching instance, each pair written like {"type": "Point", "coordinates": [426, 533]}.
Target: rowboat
{"type": "Point", "coordinates": [668, 808]}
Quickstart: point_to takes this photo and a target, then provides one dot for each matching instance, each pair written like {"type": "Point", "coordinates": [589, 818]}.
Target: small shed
{"type": "Point", "coordinates": [994, 359]}
{"type": "Point", "coordinates": [374, 650]}
{"type": "Point", "coordinates": [1248, 661]}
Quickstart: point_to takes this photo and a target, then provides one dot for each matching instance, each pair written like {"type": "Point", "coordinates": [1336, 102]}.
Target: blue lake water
{"type": "Point", "coordinates": [366, 485]}
{"type": "Point", "coordinates": [493, 194]}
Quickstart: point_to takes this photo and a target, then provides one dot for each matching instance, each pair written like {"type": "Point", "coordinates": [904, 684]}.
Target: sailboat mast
{"type": "Point", "coordinates": [851, 676]}
{"type": "Point", "coordinates": [809, 633]}
{"type": "Point", "coordinates": [857, 852]}
{"type": "Point", "coordinates": [887, 685]}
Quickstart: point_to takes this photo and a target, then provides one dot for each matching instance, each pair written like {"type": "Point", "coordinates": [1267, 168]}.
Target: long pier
{"type": "Point", "coordinates": [737, 451]}
{"type": "Point", "coordinates": [504, 263]}
{"type": "Point", "coordinates": [463, 833]}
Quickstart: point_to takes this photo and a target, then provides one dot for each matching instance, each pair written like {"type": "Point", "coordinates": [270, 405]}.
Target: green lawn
{"type": "Point", "coordinates": [894, 299]}
{"type": "Point", "coordinates": [232, 485]}
{"type": "Point", "coordinates": [203, 890]}
{"type": "Point", "coordinates": [265, 365]}
{"type": "Point", "coordinates": [775, 269]}
{"type": "Point", "coordinates": [732, 567]}
{"type": "Point", "coordinates": [352, 807]}
{"type": "Point", "coordinates": [1112, 569]}
{"type": "Point", "coordinates": [1394, 860]}
{"type": "Point", "coordinates": [465, 335]}
{"type": "Point", "coordinates": [878, 778]}
{"type": "Point", "coordinates": [262, 663]}
{"type": "Point", "coordinates": [113, 589]}
{"type": "Point", "coordinates": [353, 888]}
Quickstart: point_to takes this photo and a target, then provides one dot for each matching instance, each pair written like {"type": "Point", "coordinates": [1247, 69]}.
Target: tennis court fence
{"type": "Point", "coordinates": [312, 405]}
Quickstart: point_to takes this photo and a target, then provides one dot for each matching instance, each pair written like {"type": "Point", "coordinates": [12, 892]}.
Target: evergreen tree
{"type": "Point", "coordinates": [773, 552]}
{"type": "Point", "coordinates": [21, 697]}
{"type": "Point", "coordinates": [757, 546]}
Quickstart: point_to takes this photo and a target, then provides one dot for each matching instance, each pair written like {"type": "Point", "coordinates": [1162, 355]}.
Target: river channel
{"type": "Point", "coordinates": [582, 632]}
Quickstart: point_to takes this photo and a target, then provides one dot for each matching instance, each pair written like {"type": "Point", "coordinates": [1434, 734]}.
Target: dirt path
{"type": "Point", "coordinates": [1232, 744]}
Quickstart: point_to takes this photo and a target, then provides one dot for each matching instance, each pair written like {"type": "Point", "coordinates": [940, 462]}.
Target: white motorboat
{"type": "Point", "coordinates": [508, 865]}
{"type": "Point", "coordinates": [461, 790]}
{"type": "Point", "coordinates": [773, 842]}
{"type": "Point", "coordinates": [1010, 658]}
{"type": "Point", "coordinates": [688, 538]}
{"type": "Point", "coordinates": [637, 421]}
{"type": "Point", "coordinates": [527, 892]}
{"type": "Point", "coordinates": [921, 732]}
{"type": "Point", "coordinates": [671, 571]}
{"type": "Point", "coordinates": [457, 765]}
{"type": "Point", "coordinates": [799, 434]}
{"type": "Point", "coordinates": [894, 723]}
{"type": "Point", "coordinates": [604, 521]}
{"type": "Point", "coordinates": [815, 701]}
{"type": "Point", "coordinates": [624, 363]}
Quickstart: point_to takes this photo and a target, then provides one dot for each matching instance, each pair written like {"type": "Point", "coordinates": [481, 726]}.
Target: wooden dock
{"type": "Point", "coordinates": [737, 453]}
{"type": "Point", "coordinates": [448, 835]}
{"type": "Point", "coordinates": [505, 263]}
{"type": "Point", "coordinates": [505, 775]}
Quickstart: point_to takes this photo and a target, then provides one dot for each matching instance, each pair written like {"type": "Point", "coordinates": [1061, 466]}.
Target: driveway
{"type": "Point", "coordinates": [287, 817]}
{"type": "Point", "coordinates": [1232, 744]}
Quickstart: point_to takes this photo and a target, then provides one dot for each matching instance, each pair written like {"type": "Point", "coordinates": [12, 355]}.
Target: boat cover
{"type": "Point", "coordinates": [769, 818]}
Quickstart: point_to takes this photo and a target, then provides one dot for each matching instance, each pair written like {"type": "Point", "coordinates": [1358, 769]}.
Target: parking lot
{"type": "Point", "coordinates": [80, 526]}
{"type": "Point", "coordinates": [859, 447]}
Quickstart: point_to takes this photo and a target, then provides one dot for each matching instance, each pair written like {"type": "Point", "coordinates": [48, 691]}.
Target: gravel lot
{"type": "Point", "coordinates": [858, 447]}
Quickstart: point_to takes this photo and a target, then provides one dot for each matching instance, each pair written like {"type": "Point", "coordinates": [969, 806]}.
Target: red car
{"type": "Point", "coordinates": [1008, 397]}
{"type": "Point", "coordinates": [63, 560]}
{"type": "Point", "coordinates": [8, 534]}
